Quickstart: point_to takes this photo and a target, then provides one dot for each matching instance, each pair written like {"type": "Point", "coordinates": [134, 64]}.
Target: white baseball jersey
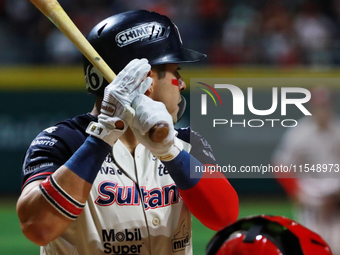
{"type": "Point", "coordinates": [307, 144]}
{"type": "Point", "coordinates": [134, 206]}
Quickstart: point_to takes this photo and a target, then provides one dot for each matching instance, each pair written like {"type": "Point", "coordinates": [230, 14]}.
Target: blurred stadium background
{"type": "Point", "coordinates": [42, 81]}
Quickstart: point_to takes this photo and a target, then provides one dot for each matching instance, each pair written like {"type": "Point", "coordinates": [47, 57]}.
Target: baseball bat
{"type": "Point", "coordinates": [56, 14]}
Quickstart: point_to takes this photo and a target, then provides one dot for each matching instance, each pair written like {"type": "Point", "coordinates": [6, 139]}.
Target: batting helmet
{"type": "Point", "coordinates": [267, 235]}
{"type": "Point", "coordinates": [135, 34]}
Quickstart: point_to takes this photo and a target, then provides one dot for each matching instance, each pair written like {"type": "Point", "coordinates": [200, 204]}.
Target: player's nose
{"type": "Point", "coordinates": [181, 84]}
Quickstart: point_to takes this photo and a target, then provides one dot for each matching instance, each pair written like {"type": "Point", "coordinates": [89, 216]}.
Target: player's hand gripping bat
{"type": "Point", "coordinates": [56, 14]}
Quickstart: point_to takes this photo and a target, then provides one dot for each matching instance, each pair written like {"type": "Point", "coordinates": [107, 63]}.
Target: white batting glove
{"type": "Point", "coordinates": [143, 114]}
{"type": "Point", "coordinates": [125, 87]}
{"type": "Point", "coordinates": [117, 95]}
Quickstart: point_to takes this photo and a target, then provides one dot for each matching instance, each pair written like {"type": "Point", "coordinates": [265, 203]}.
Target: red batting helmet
{"type": "Point", "coordinates": [267, 235]}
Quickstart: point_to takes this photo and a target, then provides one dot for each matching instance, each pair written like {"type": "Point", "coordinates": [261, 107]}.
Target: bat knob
{"type": "Point", "coordinates": [159, 132]}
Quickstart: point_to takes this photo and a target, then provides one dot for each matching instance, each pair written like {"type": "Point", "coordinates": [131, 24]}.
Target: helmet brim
{"type": "Point", "coordinates": [183, 56]}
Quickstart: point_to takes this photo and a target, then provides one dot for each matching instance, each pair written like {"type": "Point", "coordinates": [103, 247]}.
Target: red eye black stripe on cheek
{"type": "Point", "coordinates": [174, 82]}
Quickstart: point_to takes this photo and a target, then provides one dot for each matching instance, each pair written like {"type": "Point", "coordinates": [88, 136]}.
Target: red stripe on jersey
{"type": "Point", "coordinates": [213, 201]}
{"type": "Point", "coordinates": [45, 173]}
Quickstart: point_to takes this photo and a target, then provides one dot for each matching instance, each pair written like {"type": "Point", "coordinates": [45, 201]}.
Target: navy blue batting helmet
{"type": "Point", "coordinates": [135, 34]}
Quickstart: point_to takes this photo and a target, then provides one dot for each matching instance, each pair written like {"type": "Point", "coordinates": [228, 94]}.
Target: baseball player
{"type": "Point", "coordinates": [267, 235]}
{"type": "Point", "coordinates": [315, 141]}
{"type": "Point", "coordinates": [96, 183]}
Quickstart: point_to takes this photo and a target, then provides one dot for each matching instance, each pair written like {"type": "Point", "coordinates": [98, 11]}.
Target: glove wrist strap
{"type": "Point", "coordinates": [102, 132]}
{"type": "Point", "coordinates": [173, 151]}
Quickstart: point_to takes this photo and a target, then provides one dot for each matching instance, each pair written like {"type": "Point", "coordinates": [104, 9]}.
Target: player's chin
{"type": "Point", "coordinates": [174, 117]}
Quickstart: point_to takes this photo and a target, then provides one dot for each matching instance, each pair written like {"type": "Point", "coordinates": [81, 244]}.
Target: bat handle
{"type": "Point", "coordinates": [159, 132]}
